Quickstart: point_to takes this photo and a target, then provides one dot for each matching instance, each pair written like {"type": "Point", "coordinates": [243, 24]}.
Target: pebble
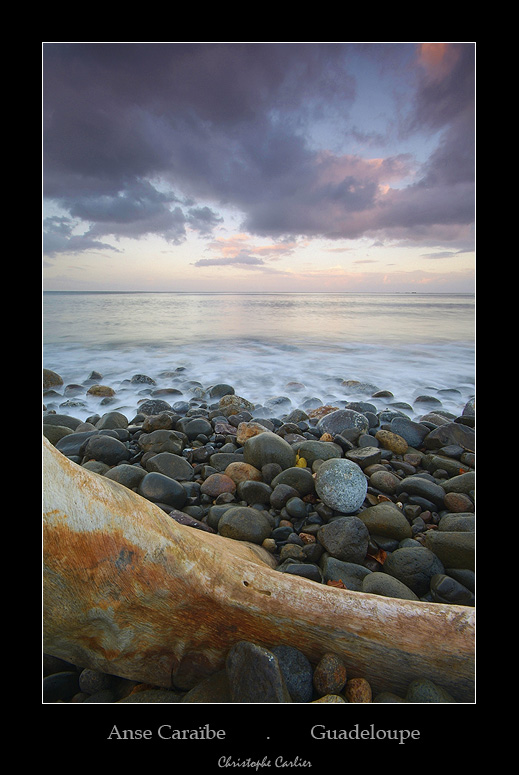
{"type": "Point", "coordinates": [386, 519]}
{"type": "Point", "coordinates": [377, 583]}
{"type": "Point", "coordinates": [255, 674]}
{"type": "Point", "coordinates": [297, 672]}
{"type": "Point", "coordinates": [414, 567]}
{"type": "Point", "coordinates": [370, 499]}
{"type": "Point", "coordinates": [243, 523]}
{"type": "Point", "coordinates": [160, 488]}
{"type": "Point", "coordinates": [358, 690]}
{"type": "Point", "coordinates": [267, 448]}
{"type": "Point", "coordinates": [345, 538]}
{"type": "Point", "coordinates": [342, 419]}
{"type": "Point", "coordinates": [330, 675]}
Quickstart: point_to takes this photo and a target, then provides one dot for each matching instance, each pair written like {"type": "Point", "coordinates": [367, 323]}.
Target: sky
{"type": "Point", "coordinates": [258, 167]}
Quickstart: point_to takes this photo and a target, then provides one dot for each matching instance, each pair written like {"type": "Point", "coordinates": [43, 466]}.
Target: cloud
{"type": "Point", "coordinates": [239, 260]}
{"type": "Point", "coordinates": [144, 139]}
{"type": "Point", "coordinates": [58, 237]}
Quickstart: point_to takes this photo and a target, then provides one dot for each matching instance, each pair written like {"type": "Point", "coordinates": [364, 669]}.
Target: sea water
{"type": "Point", "coordinates": [261, 344]}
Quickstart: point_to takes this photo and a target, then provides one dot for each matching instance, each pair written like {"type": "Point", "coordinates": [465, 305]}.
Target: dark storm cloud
{"type": "Point", "coordinates": [219, 125]}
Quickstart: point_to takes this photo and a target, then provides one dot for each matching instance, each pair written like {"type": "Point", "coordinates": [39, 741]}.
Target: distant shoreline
{"type": "Point", "coordinates": [271, 293]}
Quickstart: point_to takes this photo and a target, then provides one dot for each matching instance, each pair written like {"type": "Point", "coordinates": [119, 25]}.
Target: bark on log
{"type": "Point", "coordinates": [129, 591]}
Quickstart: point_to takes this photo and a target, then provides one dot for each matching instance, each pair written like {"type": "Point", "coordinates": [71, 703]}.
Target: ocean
{"type": "Point", "coordinates": [261, 344]}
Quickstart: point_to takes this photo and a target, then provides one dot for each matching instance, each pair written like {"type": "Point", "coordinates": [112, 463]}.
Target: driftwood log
{"type": "Point", "coordinates": [129, 591]}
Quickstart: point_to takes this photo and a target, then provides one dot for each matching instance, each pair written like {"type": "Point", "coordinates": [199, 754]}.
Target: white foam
{"type": "Point", "coordinates": [409, 345]}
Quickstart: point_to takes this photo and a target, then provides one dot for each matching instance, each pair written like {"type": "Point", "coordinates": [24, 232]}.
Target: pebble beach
{"type": "Point", "coordinates": [367, 493]}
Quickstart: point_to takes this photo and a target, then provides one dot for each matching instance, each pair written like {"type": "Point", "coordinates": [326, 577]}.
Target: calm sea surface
{"type": "Point", "coordinates": [410, 344]}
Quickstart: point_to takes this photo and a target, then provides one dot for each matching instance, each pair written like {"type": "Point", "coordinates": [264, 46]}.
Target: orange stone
{"type": "Point", "coordinates": [357, 690]}
{"type": "Point", "coordinates": [216, 484]}
{"type": "Point", "coordinates": [320, 411]}
{"type": "Point", "coordinates": [246, 430]}
{"type": "Point", "coordinates": [329, 675]}
{"type": "Point", "coordinates": [243, 472]}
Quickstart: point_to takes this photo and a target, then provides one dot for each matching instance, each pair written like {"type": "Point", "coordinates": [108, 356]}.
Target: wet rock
{"type": "Point", "coordinates": [162, 489]}
{"type": "Point", "coordinates": [60, 686]}
{"type": "Point", "coordinates": [413, 432]}
{"type": "Point", "coordinates": [55, 432]}
{"type": "Point", "coordinates": [345, 538]}
{"type": "Point", "coordinates": [414, 567]}
{"type": "Point", "coordinates": [454, 549]}
{"type": "Point", "coordinates": [341, 485]}
{"type": "Point", "coordinates": [243, 523]}
{"type": "Point", "coordinates": [243, 472]}
{"type": "Point", "coordinates": [357, 690]}
{"type": "Point", "coordinates": [329, 675]}
{"type": "Point", "coordinates": [214, 688]}
{"type": "Point", "coordinates": [297, 672]}
{"type": "Point", "coordinates": [385, 481]}
{"type": "Point", "coordinates": [451, 433]}
{"type": "Point", "coordinates": [392, 441]}
{"type": "Point", "coordinates": [51, 379]}
{"type": "Point", "coordinates": [422, 487]}
{"type": "Point", "coordinates": [364, 456]}
{"type": "Point", "coordinates": [458, 502]}
{"type": "Point", "coordinates": [106, 449]}
{"type": "Point", "coordinates": [445, 589]}
{"type": "Point", "coordinates": [342, 419]}
{"type": "Point", "coordinates": [317, 450]}
{"type": "Point", "coordinates": [463, 483]}
{"type": "Point", "coordinates": [232, 404]}
{"type": "Point", "coordinates": [216, 484]}
{"type": "Point", "coordinates": [281, 494]}
{"type": "Point", "coordinates": [194, 426]}
{"type": "Point", "coordinates": [254, 492]}
{"type": "Point", "coordinates": [171, 465]}
{"type": "Point", "coordinates": [351, 574]}
{"type": "Point", "coordinates": [127, 475]}
{"type": "Point", "coordinates": [246, 430]}
{"type": "Point", "coordinates": [423, 690]}
{"type": "Point", "coordinates": [383, 584]}
{"type": "Point", "coordinates": [386, 519]}
{"type": "Point", "coordinates": [161, 441]}
{"type": "Point", "coordinates": [299, 479]}
{"type": "Point", "coordinates": [112, 420]}
{"type": "Point", "coordinates": [254, 675]}
{"type": "Point", "coordinates": [267, 448]}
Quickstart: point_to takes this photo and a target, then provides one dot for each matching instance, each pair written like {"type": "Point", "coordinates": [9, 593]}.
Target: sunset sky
{"type": "Point", "coordinates": [291, 167]}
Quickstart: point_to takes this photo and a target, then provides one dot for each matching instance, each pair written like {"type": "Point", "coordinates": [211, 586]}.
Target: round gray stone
{"type": "Point", "coordinates": [423, 690]}
{"type": "Point", "coordinates": [454, 549]}
{"type": "Point", "coordinates": [299, 478]}
{"type": "Point", "coordinates": [377, 583]}
{"type": "Point", "coordinates": [386, 519]}
{"type": "Point", "coordinates": [341, 485]}
{"type": "Point", "coordinates": [350, 573]}
{"type": "Point", "coordinates": [317, 450]}
{"type": "Point", "coordinates": [171, 465]}
{"type": "Point", "coordinates": [266, 448]}
{"type": "Point", "coordinates": [413, 432]}
{"type": "Point", "coordinates": [338, 421]}
{"type": "Point", "coordinates": [297, 672]}
{"type": "Point", "coordinates": [414, 567]}
{"type": "Point", "coordinates": [243, 523]}
{"type": "Point", "coordinates": [106, 449]}
{"type": "Point", "coordinates": [162, 489]}
{"type": "Point", "coordinates": [423, 488]}
{"type": "Point", "coordinates": [127, 475]}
